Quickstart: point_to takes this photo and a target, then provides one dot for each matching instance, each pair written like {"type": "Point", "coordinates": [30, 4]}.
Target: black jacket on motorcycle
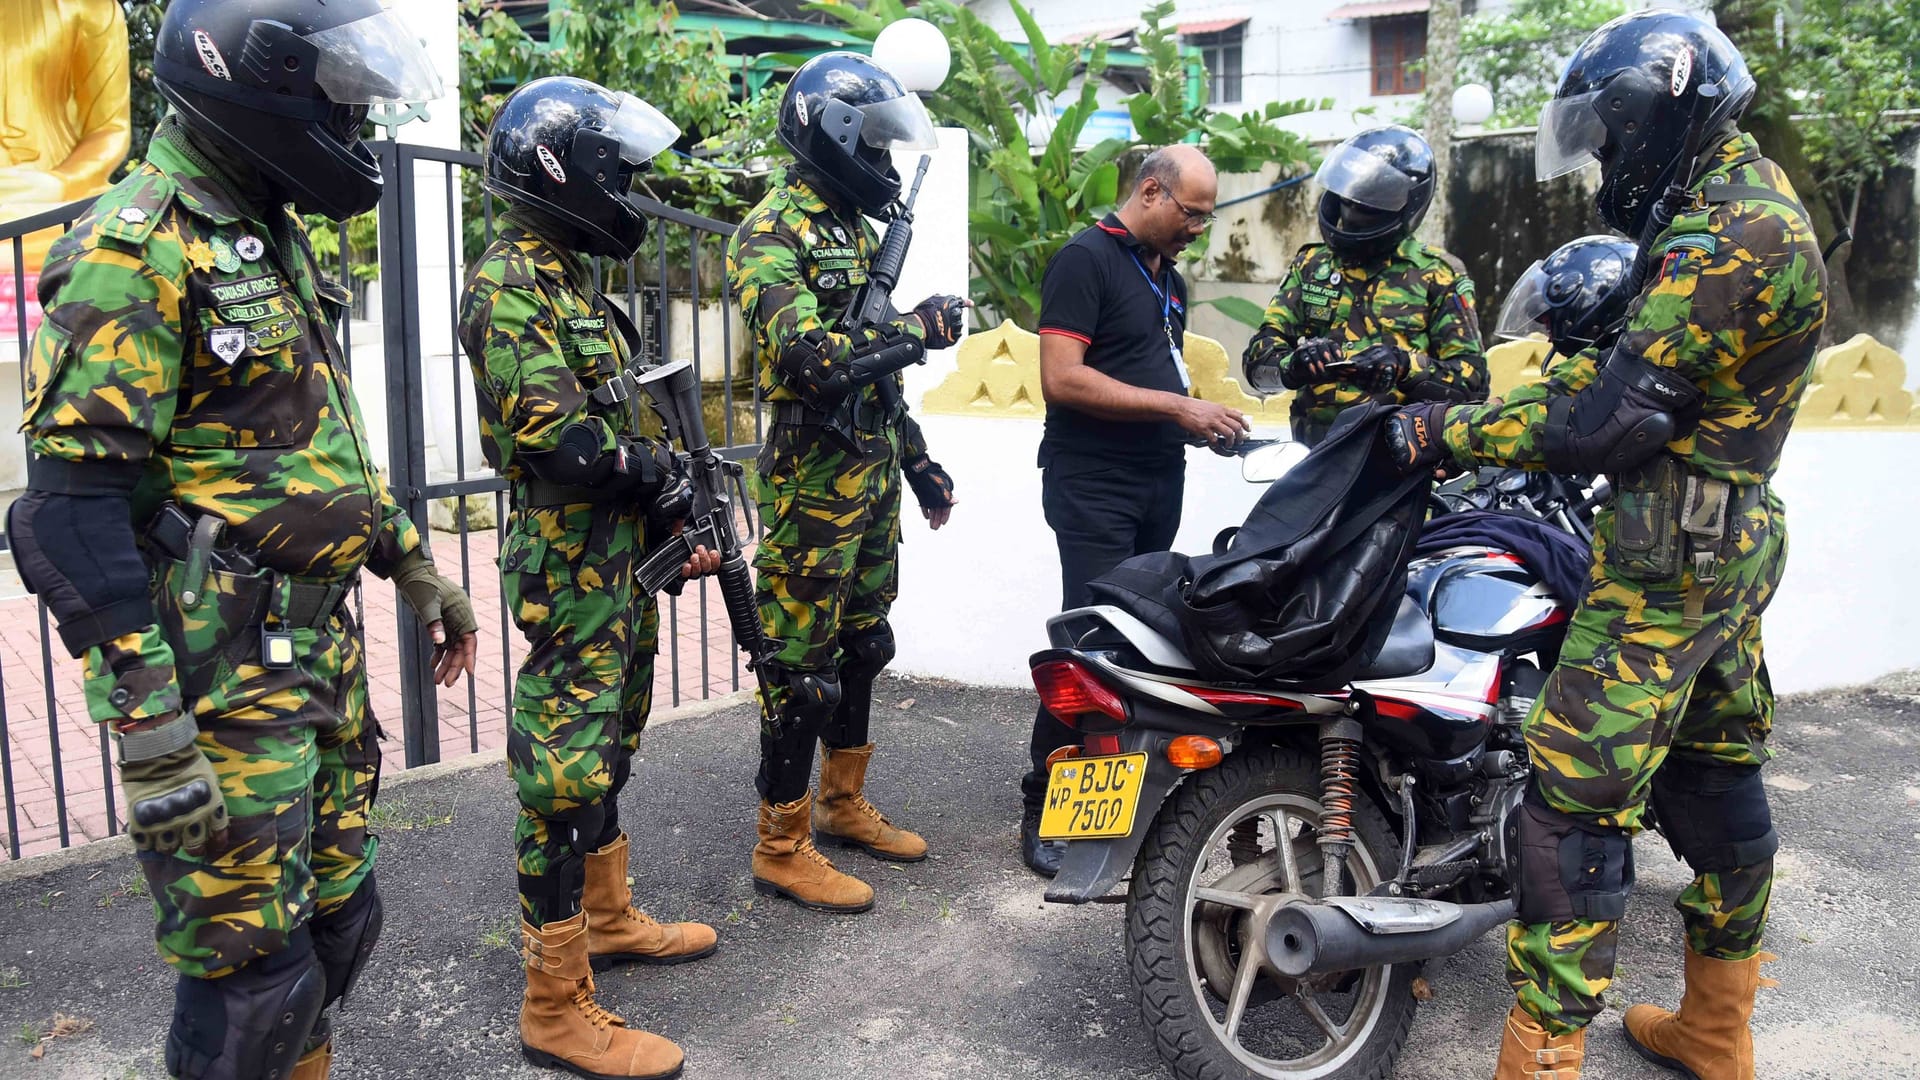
{"type": "Point", "coordinates": [1307, 589]}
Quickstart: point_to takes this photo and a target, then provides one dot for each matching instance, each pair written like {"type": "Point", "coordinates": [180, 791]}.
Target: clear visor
{"type": "Point", "coordinates": [1526, 308]}
{"type": "Point", "coordinates": [1571, 135]}
{"type": "Point", "coordinates": [897, 124]}
{"type": "Point", "coordinates": [374, 61]}
{"type": "Point", "coordinates": [1358, 176]}
{"type": "Point", "coordinates": [641, 129]}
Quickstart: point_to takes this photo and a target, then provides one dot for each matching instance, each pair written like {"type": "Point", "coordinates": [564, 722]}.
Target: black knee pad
{"type": "Point", "coordinates": [251, 1024]}
{"type": "Point", "coordinates": [786, 738]}
{"type": "Point", "coordinates": [344, 938]}
{"type": "Point", "coordinates": [610, 806]}
{"type": "Point", "coordinates": [1714, 816]}
{"type": "Point", "coordinates": [865, 653]}
{"type": "Point", "coordinates": [1566, 868]}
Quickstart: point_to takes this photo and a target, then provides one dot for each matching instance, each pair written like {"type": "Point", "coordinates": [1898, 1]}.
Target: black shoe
{"type": "Point", "coordinates": [1041, 856]}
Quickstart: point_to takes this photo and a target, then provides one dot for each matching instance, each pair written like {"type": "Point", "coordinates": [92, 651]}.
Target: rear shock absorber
{"type": "Point", "coordinates": [1339, 787]}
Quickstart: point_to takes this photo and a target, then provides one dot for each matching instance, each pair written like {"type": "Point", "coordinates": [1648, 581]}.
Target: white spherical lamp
{"type": "Point", "coordinates": [1472, 104]}
{"type": "Point", "coordinates": [916, 52]}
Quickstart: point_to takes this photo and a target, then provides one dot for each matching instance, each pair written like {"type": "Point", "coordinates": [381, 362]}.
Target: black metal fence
{"type": "Point", "coordinates": [51, 792]}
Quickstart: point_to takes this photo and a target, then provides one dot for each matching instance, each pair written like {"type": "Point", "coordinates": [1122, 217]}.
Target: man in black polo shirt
{"type": "Point", "coordinates": [1113, 315]}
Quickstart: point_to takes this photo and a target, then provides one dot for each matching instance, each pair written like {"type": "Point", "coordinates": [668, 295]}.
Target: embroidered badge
{"type": "Point", "coordinates": [227, 343]}
{"type": "Point", "coordinates": [249, 248]}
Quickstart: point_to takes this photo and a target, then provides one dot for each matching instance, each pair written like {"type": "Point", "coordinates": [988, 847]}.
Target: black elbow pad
{"type": "Point", "coordinates": [1621, 419]}
{"type": "Point", "coordinates": [808, 367]}
{"type": "Point", "coordinates": [78, 552]}
{"type": "Point", "coordinates": [580, 460]}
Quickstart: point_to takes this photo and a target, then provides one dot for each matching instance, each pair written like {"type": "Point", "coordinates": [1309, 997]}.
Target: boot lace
{"type": "Point", "coordinates": [589, 1008]}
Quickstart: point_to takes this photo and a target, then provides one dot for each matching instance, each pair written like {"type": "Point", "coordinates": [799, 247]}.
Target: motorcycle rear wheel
{"type": "Point", "coordinates": [1213, 853]}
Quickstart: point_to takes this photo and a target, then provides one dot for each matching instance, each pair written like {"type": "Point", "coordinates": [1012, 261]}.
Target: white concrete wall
{"type": "Point", "coordinates": [974, 598]}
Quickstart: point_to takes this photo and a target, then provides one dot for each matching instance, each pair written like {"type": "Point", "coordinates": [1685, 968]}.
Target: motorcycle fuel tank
{"type": "Point", "coordinates": [1482, 599]}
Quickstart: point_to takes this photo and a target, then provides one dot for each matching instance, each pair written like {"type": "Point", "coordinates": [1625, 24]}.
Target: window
{"type": "Point", "coordinates": [1398, 42]}
{"type": "Point", "coordinates": [1221, 53]}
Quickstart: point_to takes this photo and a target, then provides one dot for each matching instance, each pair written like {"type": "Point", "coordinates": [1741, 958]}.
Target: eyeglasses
{"type": "Point", "coordinates": [1203, 217]}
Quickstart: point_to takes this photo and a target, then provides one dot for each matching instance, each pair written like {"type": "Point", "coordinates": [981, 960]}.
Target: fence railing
{"type": "Point", "coordinates": [57, 780]}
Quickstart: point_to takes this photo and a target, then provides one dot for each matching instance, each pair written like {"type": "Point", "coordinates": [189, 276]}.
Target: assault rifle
{"type": "Point", "coordinates": [674, 393]}
{"type": "Point", "coordinates": [872, 306]}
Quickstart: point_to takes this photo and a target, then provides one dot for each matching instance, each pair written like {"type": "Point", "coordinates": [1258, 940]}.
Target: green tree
{"type": "Point", "coordinates": [143, 19]}
{"type": "Point", "coordinates": [1032, 185]}
{"type": "Point", "coordinates": [1518, 53]}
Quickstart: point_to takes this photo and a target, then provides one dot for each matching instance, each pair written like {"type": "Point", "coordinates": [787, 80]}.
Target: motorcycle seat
{"type": "Point", "coordinates": [1409, 646]}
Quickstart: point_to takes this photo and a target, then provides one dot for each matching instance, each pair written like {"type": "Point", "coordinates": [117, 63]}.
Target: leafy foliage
{"type": "Point", "coordinates": [143, 20]}
{"type": "Point", "coordinates": [1518, 53]}
{"type": "Point", "coordinates": [1033, 186]}
{"type": "Point", "coordinates": [1856, 65]}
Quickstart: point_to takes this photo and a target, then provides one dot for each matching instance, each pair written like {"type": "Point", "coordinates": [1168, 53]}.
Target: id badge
{"type": "Point", "coordinates": [1179, 363]}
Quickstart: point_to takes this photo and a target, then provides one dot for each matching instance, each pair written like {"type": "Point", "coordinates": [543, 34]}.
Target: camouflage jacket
{"type": "Point", "coordinates": [1420, 299]}
{"type": "Point", "coordinates": [539, 346]}
{"type": "Point", "coordinates": [189, 336]}
{"type": "Point", "coordinates": [795, 264]}
{"type": "Point", "coordinates": [1736, 303]}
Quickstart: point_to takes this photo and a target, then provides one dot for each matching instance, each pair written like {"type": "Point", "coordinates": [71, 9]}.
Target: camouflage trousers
{"type": "Point", "coordinates": [826, 570]}
{"type": "Point", "coordinates": [296, 753]}
{"type": "Point", "coordinates": [1635, 688]}
{"type": "Point", "coordinates": [583, 692]}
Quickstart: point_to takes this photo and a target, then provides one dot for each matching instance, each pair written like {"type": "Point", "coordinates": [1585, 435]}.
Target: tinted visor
{"type": "Point", "coordinates": [642, 131]}
{"type": "Point", "coordinates": [1571, 136]}
{"type": "Point", "coordinates": [1364, 178]}
{"type": "Point", "coordinates": [897, 124]}
{"type": "Point", "coordinates": [1525, 311]}
{"type": "Point", "coordinates": [374, 61]}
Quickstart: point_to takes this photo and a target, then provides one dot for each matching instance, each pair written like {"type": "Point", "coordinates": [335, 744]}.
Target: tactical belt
{"type": "Point", "coordinates": [532, 493]}
{"type": "Point", "coordinates": [310, 603]}
{"type": "Point", "coordinates": [867, 416]}
{"type": "Point", "coordinates": [1708, 507]}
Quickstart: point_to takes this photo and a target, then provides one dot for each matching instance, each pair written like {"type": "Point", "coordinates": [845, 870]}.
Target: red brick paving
{"type": "Point", "coordinates": [472, 717]}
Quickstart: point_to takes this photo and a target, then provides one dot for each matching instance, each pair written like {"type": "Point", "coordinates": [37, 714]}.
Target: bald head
{"type": "Point", "coordinates": [1172, 199]}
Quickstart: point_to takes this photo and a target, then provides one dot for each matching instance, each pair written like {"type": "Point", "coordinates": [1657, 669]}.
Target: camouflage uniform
{"type": "Point", "coordinates": [189, 337]}
{"type": "Point", "coordinates": [1420, 299]}
{"type": "Point", "coordinates": [826, 566]}
{"type": "Point", "coordinates": [539, 346]}
{"type": "Point", "coordinates": [1667, 670]}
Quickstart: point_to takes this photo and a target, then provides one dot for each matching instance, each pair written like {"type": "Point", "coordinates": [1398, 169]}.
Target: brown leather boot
{"type": "Point", "coordinates": [785, 863]}
{"type": "Point", "coordinates": [314, 1064]}
{"type": "Point", "coordinates": [843, 815]}
{"type": "Point", "coordinates": [562, 1027]}
{"type": "Point", "coordinates": [1527, 1052]}
{"type": "Point", "coordinates": [1709, 1038]}
{"type": "Point", "coordinates": [619, 933]}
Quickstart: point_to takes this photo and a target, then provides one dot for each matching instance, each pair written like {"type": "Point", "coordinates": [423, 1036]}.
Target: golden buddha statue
{"type": "Point", "coordinates": [64, 109]}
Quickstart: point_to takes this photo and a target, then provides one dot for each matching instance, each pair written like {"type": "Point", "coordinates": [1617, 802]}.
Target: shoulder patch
{"type": "Point", "coordinates": [1705, 243]}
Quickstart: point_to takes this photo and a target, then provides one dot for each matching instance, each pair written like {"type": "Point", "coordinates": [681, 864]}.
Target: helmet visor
{"type": "Point", "coordinates": [1571, 136]}
{"type": "Point", "coordinates": [1527, 305]}
{"type": "Point", "coordinates": [897, 124]}
{"type": "Point", "coordinates": [374, 61]}
{"type": "Point", "coordinates": [1365, 178]}
{"type": "Point", "coordinates": [642, 130]}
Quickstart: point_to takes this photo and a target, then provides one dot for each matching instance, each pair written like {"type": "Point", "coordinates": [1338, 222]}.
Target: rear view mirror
{"type": "Point", "coordinates": [1271, 462]}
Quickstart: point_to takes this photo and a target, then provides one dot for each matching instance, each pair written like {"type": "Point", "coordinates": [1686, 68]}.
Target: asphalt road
{"type": "Point", "coordinates": [960, 971]}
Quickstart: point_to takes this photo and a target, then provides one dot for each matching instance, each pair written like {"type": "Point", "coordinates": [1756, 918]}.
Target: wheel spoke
{"type": "Point", "coordinates": [1238, 900]}
{"type": "Point", "coordinates": [1242, 990]}
{"type": "Point", "coordinates": [1283, 839]}
{"type": "Point", "coordinates": [1311, 1006]}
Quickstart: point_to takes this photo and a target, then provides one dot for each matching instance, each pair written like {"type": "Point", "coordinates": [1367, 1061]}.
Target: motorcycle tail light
{"type": "Point", "coordinates": [1077, 699]}
{"type": "Point", "coordinates": [1193, 752]}
{"type": "Point", "coordinates": [1103, 745]}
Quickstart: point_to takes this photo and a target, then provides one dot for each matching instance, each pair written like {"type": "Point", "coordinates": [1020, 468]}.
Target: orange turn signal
{"type": "Point", "coordinates": [1061, 755]}
{"type": "Point", "coordinates": [1193, 752]}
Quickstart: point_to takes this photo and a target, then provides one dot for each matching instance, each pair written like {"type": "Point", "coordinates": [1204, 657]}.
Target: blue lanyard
{"type": "Point", "coordinates": [1165, 297]}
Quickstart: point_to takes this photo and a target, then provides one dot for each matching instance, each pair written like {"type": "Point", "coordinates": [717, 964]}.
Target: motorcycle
{"type": "Point", "coordinates": [1296, 852]}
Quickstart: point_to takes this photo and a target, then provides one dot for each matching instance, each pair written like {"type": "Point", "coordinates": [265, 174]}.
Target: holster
{"type": "Point", "coordinates": [1667, 518]}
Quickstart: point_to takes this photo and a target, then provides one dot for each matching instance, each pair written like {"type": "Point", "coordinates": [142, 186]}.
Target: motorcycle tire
{"type": "Point", "coordinates": [1159, 945]}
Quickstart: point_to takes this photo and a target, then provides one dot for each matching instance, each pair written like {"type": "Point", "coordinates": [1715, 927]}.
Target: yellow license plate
{"type": "Point", "coordinates": [1093, 798]}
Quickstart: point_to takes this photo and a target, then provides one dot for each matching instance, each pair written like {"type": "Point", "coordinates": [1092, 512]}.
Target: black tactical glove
{"type": "Point", "coordinates": [655, 469]}
{"type": "Point", "coordinates": [433, 597]}
{"type": "Point", "coordinates": [1309, 362]}
{"type": "Point", "coordinates": [1380, 368]}
{"type": "Point", "coordinates": [945, 319]}
{"type": "Point", "coordinates": [930, 483]}
{"type": "Point", "coordinates": [1412, 436]}
{"type": "Point", "coordinates": [173, 796]}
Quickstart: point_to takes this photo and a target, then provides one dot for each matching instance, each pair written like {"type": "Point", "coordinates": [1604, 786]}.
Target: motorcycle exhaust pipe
{"type": "Point", "coordinates": [1342, 933]}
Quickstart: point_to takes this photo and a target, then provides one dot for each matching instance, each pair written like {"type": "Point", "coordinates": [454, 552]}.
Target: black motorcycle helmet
{"type": "Point", "coordinates": [1572, 295]}
{"type": "Point", "coordinates": [564, 152]}
{"type": "Point", "coordinates": [1641, 95]}
{"type": "Point", "coordinates": [1378, 184]}
{"type": "Point", "coordinates": [841, 117]}
{"type": "Point", "coordinates": [285, 86]}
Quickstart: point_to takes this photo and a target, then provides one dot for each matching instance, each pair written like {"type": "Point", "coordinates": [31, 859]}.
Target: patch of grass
{"type": "Point", "coordinates": [29, 1035]}
{"type": "Point", "coordinates": [944, 908]}
{"type": "Point", "coordinates": [134, 888]}
{"type": "Point", "coordinates": [733, 917]}
{"type": "Point", "coordinates": [47, 898]}
{"type": "Point", "coordinates": [499, 933]}
{"type": "Point", "coordinates": [12, 978]}
{"type": "Point", "coordinates": [383, 817]}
